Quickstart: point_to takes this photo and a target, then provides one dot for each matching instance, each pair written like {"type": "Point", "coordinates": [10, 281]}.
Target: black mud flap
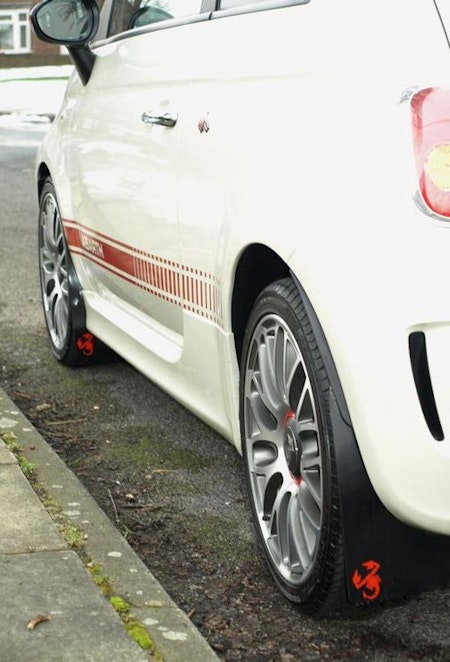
{"type": "Point", "coordinates": [86, 348]}
{"type": "Point", "coordinates": [385, 558]}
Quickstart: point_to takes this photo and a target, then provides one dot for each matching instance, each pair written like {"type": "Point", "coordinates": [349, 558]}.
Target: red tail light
{"type": "Point", "coordinates": [430, 110]}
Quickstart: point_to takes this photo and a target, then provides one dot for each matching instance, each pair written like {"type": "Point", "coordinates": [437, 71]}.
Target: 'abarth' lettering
{"type": "Point", "coordinates": [91, 245]}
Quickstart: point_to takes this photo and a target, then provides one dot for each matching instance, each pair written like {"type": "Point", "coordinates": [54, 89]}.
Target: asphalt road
{"type": "Point", "coordinates": [189, 520]}
{"type": "Point", "coordinates": [19, 292]}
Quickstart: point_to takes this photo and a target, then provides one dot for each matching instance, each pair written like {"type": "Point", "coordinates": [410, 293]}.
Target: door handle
{"type": "Point", "coordinates": [167, 119]}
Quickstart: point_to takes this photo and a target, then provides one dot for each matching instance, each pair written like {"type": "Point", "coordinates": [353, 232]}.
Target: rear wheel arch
{"type": "Point", "coordinates": [257, 267]}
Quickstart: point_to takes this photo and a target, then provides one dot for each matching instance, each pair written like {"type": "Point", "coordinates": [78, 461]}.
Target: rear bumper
{"type": "Point", "coordinates": [403, 427]}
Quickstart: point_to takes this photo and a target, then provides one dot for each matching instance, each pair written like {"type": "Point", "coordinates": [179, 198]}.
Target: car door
{"type": "Point", "coordinates": [123, 154]}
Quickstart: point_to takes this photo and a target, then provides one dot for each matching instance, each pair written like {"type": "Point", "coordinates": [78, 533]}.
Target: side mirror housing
{"type": "Point", "coordinates": [70, 23]}
{"type": "Point", "coordinates": [66, 22]}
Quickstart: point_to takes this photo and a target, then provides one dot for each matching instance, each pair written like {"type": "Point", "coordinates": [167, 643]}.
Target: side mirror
{"type": "Point", "coordinates": [67, 22]}
{"type": "Point", "coordinates": [71, 23]}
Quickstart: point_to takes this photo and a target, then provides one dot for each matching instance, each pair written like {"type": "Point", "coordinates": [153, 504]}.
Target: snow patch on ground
{"type": "Point", "coordinates": [21, 73]}
{"type": "Point", "coordinates": [33, 92]}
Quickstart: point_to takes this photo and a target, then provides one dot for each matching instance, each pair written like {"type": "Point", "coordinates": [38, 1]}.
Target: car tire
{"type": "Point", "coordinates": [287, 445]}
{"type": "Point", "coordinates": [71, 343]}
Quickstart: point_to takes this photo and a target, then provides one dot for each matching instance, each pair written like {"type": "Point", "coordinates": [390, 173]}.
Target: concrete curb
{"type": "Point", "coordinates": [175, 636]}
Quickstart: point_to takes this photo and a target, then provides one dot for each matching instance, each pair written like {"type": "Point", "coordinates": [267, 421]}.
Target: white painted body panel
{"type": "Point", "coordinates": [309, 153]}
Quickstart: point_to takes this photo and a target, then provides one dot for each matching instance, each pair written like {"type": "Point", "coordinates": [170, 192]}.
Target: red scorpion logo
{"type": "Point", "coordinates": [85, 344]}
{"type": "Point", "coordinates": [370, 583]}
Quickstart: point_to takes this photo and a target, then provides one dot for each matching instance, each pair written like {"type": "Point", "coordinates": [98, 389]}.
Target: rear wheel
{"type": "Point", "coordinates": [288, 450]}
{"type": "Point", "coordinates": [71, 342]}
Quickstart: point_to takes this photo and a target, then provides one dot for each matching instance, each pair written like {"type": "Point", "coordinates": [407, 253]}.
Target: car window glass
{"type": "Point", "coordinates": [130, 14]}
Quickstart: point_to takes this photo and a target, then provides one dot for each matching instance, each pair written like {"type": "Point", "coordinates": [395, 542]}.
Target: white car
{"type": "Point", "coordinates": [249, 201]}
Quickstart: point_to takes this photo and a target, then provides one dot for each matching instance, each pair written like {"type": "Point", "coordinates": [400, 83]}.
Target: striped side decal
{"type": "Point", "coordinates": [194, 290]}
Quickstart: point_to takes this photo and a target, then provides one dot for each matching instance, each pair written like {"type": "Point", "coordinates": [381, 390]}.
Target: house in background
{"type": "Point", "coordinates": [18, 44]}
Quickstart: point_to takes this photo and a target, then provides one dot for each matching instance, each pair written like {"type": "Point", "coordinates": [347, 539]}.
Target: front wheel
{"type": "Point", "coordinates": [71, 342]}
{"type": "Point", "coordinates": [288, 450]}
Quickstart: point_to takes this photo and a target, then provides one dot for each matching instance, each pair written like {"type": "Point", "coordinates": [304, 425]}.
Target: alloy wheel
{"type": "Point", "coordinates": [54, 271]}
{"type": "Point", "coordinates": [283, 449]}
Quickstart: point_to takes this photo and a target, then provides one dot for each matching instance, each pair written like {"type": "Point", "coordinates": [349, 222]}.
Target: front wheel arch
{"type": "Point", "coordinates": [62, 298]}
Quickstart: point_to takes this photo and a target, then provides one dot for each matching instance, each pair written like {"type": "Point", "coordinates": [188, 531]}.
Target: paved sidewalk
{"type": "Point", "coordinates": [40, 576]}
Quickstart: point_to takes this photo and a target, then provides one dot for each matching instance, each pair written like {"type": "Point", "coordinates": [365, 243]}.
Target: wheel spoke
{"type": "Point", "coordinates": [260, 391]}
{"type": "Point", "coordinates": [291, 536]}
{"type": "Point", "coordinates": [269, 386]}
{"type": "Point", "coordinates": [262, 401]}
{"type": "Point", "coordinates": [51, 299]}
{"type": "Point", "coordinates": [286, 361]}
{"type": "Point", "coordinates": [302, 546]}
{"type": "Point", "coordinates": [277, 531]}
{"type": "Point", "coordinates": [267, 477]}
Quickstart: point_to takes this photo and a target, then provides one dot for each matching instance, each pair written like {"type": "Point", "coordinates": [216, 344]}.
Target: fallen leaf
{"type": "Point", "coordinates": [37, 621]}
{"type": "Point", "coordinates": [43, 406]}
